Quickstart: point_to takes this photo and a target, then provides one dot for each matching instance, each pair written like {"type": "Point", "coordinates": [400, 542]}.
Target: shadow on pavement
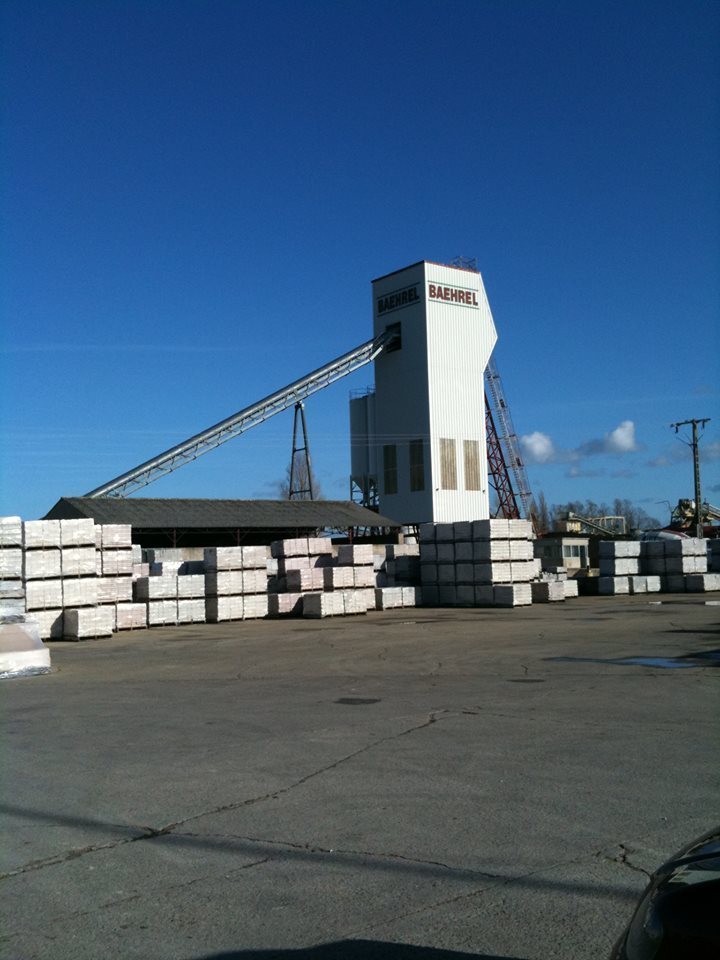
{"type": "Point", "coordinates": [355, 950]}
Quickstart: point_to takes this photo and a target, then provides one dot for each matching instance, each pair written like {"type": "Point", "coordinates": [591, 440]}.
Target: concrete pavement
{"type": "Point", "coordinates": [413, 784]}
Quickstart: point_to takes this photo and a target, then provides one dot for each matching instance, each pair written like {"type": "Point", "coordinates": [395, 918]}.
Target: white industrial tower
{"type": "Point", "coordinates": [420, 440]}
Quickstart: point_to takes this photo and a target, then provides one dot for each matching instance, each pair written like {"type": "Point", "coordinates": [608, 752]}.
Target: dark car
{"type": "Point", "coordinates": [678, 917]}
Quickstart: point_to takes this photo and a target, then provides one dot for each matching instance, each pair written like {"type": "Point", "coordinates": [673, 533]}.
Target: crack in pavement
{"type": "Point", "coordinates": [340, 852]}
{"type": "Point", "coordinates": [445, 901]}
{"type": "Point", "coordinates": [494, 882]}
{"type": "Point", "coordinates": [623, 858]}
{"type": "Point", "coordinates": [149, 833]}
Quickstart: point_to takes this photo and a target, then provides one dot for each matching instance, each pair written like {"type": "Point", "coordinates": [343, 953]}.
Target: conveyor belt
{"type": "Point", "coordinates": [241, 421]}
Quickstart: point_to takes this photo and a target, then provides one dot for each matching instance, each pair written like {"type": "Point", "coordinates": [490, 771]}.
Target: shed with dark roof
{"type": "Point", "coordinates": [215, 523]}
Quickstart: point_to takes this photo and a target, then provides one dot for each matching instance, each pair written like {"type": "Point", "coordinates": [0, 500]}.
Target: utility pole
{"type": "Point", "coordinates": [696, 465]}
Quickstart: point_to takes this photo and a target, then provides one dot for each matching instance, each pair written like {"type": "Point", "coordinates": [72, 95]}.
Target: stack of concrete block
{"type": "Point", "coordinates": [310, 583]}
{"type": "Point", "coordinates": [619, 560]}
{"type": "Point", "coordinates": [79, 580]}
{"type": "Point", "coordinates": [140, 567]}
{"type": "Point", "coordinates": [236, 581]}
{"type": "Point", "coordinates": [547, 591]}
{"type": "Point", "coordinates": [115, 583]}
{"type": "Point", "coordinates": [88, 623]}
{"type": "Point", "coordinates": [477, 563]}
{"type": "Point", "coordinates": [337, 603]}
{"type": "Point", "coordinates": [159, 595]}
{"type": "Point", "coordinates": [570, 588]}
{"type": "Point", "coordinates": [654, 565]}
{"type": "Point", "coordinates": [42, 573]}
{"type": "Point", "coordinates": [402, 565]}
{"type": "Point", "coordinates": [555, 574]}
{"type": "Point", "coordinates": [393, 598]}
{"type": "Point", "coordinates": [686, 566]}
{"type": "Point", "coordinates": [12, 585]}
{"type": "Point", "coordinates": [356, 568]}
{"type": "Point", "coordinates": [628, 566]}
{"type": "Point", "coordinates": [191, 598]}
{"type": "Point", "coordinates": [300, 566]}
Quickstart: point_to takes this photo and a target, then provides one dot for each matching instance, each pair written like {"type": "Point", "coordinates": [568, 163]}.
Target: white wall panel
{"type": "Point", "coordinates": [433, 387]}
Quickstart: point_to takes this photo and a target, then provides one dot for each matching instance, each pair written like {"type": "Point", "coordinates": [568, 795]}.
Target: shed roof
{"type": "Point", "coordinates": [181, 513]}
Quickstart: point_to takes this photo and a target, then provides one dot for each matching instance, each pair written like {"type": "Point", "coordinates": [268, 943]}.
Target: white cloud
{"type": "Point", "coordinates": [622, 438]}
{"type": "Point", "coordinates": [537, 447]}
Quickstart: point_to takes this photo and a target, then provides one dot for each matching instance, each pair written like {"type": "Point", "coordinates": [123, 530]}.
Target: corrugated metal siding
{"type": "Point", "coordinates": [402, 410]}
{"type": "Point", "coordinates": [473, 471]}
{"type": "Point", "coordinates": [433, 388]}
{"type": "Point", "coordinates": [461, 337]}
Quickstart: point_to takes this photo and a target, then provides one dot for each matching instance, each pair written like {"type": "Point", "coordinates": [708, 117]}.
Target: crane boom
{"type": "Point", "coordinates": [508, 438]}
{"type": "Point", "coordinates": [241, 421]}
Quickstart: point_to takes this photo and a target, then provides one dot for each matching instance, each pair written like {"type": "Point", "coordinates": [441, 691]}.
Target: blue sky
{"type": "Point", "coordinates": [196, 196]}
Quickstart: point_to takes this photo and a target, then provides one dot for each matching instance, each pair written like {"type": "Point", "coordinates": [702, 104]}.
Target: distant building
{"type": "Point", "coordinates": [570, 550]}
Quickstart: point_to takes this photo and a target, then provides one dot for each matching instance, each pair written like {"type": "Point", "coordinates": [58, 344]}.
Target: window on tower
{"type": "Point", "coordinates": [417, 466]}
{"type": "Point", "coordinates": [471, 456]}
{"type": "Point", "coordinates": [448, 465]}
{"type": "Point", "coordinates": [390, 471]}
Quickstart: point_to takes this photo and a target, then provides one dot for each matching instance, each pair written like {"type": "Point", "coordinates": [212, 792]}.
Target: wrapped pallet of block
{"type": "Point", "coordinates": [79, 591]}
{"type": "Point", "coordinates": [320, 605]}
{"type": "Point", "coordinates": [366, 595]}
{"type": "Point", "coordinates": [22, 653]}
{"type": "Point", "coordinates": [673, 583]}
{"type": "Point", "coordinates": [50, 623]}
{"type": "Point", "coordinates": [338, 578]}
{"type": "Point", "coordinates": [12, 587]}
{"type": "Point", "coordinates": [191, 598]}
{"type": "Point", "coordinates": [464, 594]}
{"type": "Point", "coordinates": [41, 534]}
{"type": "Point", "coordinates": [293, 547]}
{"type": "Point", "coordinates": [11, 533]}
{"type": "Point", "coordinates": [304, 581]}
{"type": "Point", "coordinates": [44, 594]}
{"type": "Point", "coordinates": [131, 616]}
{"type": "Point", "coordinates": [12, 598]}
{"type": "Point", "coordinates": [702, 582]}
{"type": "Point", "coordinates": [547, 591]}
{"type": "Point", "coordinates": [411, 596]}
{"type": "Point", "coordinates": [162, 612]}
{"type": "Point", "coordinates": [512, 595]}
{"type": "Point", "coordinates": [88, 623]}
{"type": "Point", "coordinates": [355, 555]}
{"type": "Point", "coordinates": [285, 604]}
{"type": "Point", "coordinates": [484, 595]}
{"type": "Point", "coordinates": [42, 564]}
{"type": "Point", "coordinates": [191, 609]}
{"type": "Point", "coordinates": [354, 602]}
{"type": "Point", "coordinates": [155, 588]}
{"type": "Point", "coordinates": [224, 571]}
{"type": "Point", "coordinates": [222, 608]}
{"type": "Point", "coordinates": [77, 533]}
{"type": "Point", "coordinates": [78, 561]}
{"type": "Point", "coordinates": [388, 598]}
{"type": "Point", "coordinates": [570, 588]}
{"type": "Point", "coordinates": [612, 586]}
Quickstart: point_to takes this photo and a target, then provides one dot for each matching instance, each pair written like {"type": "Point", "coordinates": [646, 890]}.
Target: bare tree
{"type": "Point", "coordinates": [541, 513]}
{"type": "Point", "coordinates": [300, 482]}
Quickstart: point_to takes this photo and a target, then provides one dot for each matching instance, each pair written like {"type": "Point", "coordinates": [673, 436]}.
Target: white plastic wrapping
{"type": "Point", "coordinates": [22, 653]}
{"type": "Point", "coordinates": [77, 533]}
